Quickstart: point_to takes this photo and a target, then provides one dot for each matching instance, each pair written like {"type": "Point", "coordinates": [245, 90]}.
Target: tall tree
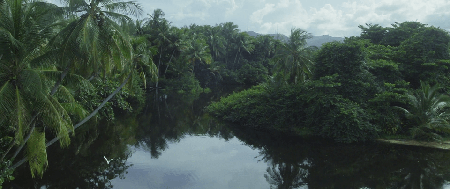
{"type": "Point", "coordinates": [26, 105]}
{"type": "Point", "coordinates": [424, 56]}
{"type": "Point", "coordinates": [295, 59]}
{"type": "Point", "coordinates": [215, 41]}
{"type": "Point", "coordinates": [91, 45]}
{"type": "Point", "coordinates": [399, 32]}
{"type": "Point", "coordinates": [242, 42]}
{"type": "Point", "coordinates": [94, 43]}
{"type": "Point", "coordinates": [196, 50]}
{"type": "Point", "coordinates": [229, 32]}
{"type": "Point", "coordinates": [373, 32]}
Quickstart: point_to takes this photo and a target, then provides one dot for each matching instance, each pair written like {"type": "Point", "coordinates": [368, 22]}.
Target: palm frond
{"type": "Point", "coordinates": [37, 153]}
{"type": "Point", "coordinates": [76, 109]}
{"type": "Point", "coordinates": [7, 104]}
{"type": "Point", "coordinates": [128, 8]}
{"type": "Point", "coordinates": [55, 117]}
{"type": "Point", "coordinates": [430, 111]}
{"type": "Point", "coordinates": [22, 116]}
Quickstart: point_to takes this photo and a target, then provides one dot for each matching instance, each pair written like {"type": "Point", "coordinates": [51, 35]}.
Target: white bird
{"type": "Point", "coordinates": [107, 161]}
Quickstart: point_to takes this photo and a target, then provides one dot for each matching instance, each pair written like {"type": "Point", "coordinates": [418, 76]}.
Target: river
{"type": "Point", "coordinates": [174, 144]}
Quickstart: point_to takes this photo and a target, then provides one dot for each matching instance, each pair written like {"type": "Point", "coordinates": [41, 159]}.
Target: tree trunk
{"type": "Point", "coordinates": [170, 60]}
{"type": "Point", "coordinates": [157, 80]}
{"type": "Point", "coordinates": [24, 142]}
{"type": "Point", "coordinates": [52, 92]}
{"type": "Point", "coordinates": [55, 87]}
{"type": "Point", "coordinates": [234, 62]}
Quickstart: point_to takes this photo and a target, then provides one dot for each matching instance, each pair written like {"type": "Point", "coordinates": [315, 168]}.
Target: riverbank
{"type": "Point", "coordinates": [445, 145]}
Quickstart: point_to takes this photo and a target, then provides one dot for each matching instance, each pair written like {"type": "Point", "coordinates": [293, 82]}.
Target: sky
{"type": "Point", "coordinates": [338, 18]}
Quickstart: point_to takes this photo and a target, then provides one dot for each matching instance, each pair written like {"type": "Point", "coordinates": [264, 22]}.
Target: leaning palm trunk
{"type": "Point", "coordinates": [82, 121]}
{"type": "Point", "coordinates": [53, 91]}
{"type": "Point", "coordinates": [58, 83]}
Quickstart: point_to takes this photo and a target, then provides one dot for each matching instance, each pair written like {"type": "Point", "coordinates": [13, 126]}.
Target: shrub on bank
{"type": "Point", "coordinates": [292, 108]}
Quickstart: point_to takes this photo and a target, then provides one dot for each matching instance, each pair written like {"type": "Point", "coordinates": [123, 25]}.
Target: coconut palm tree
{"type": "Point", "coordinates": [242, 42]}
{"type": "Point", "coordinates": [95, 43]}
{"type": "Point", "coordinates": [229, 32]}
{"type": "Point", "coordinates": [196, 49]}
{"type": "Point", "coordinates": [429, 111]}
{"type": "Point", "coordinates": [215, 42]}
{"type": "Point", "coordinates": [294, 60]}
{"type": "Point", "coordinates": [26, 108]}
{"type": "Point", "coordinates": [92, 44]}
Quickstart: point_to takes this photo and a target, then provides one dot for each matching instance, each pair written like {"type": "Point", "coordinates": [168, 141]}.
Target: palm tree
{"type": "Point", "coordinates": [26, 107]}
{"type": "Point", "coordinates": [294, 60]}
{"type": "Point", "coordinates": [159, 30]}
{"type": "Point", "coordinates": [142, 58]}
{"type": "Point", "coordinates": [215, 41]}
{"type": "Point", "coordinates": [196, 50]}
{"type": "Point", "coordinates": [229, 32]}
{"type": "Point", "coordinates": [93, 44]}
{"type": "Point", "coordinates": [429, 111]}
{"type": "Point", "coordinates": [242, 41]}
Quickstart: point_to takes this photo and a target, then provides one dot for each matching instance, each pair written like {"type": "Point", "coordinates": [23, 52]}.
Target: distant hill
{"type": "Point", "coordinates": [319, 40]}
{"type": "Point", "coordinates": [314, 41]}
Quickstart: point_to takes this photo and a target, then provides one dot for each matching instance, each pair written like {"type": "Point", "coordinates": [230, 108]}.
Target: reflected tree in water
{"type": "Point", "coordinates": [175, 116]}
{"type": "Point", "coordinates": [82, 164]}
{"type": "Point", "coordinates": [315, 163]}
{"type": "Point", "coordinates": [422, 170]}
{"type": "Point", "coordinates": [286, 176]}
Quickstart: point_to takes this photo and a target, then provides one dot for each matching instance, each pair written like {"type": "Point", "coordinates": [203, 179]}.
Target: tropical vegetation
{"type": "Point", "coordinates": [88, 63]}
{"type": "Point", "coordinates": [368, 86]}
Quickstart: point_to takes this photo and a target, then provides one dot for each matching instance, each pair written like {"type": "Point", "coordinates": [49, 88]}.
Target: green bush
{"type": "Point", "coordinates": [290, 108]}
{"type": "Point", "coordinates": [342, 120]}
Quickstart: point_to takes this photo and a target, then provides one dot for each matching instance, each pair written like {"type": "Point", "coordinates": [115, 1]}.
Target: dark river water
{"type": "Point", "coordinates": [175, 145]}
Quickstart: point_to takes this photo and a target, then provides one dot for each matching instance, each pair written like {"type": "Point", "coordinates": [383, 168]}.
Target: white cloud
{"type": "Point", "coordinates": [280, 17]}
{"type": "Point", "coordinates": [258, 15]}
{"type": "Point", "coordinates": [337, 18]}
{"type": "Point", "coordinates": [232, 8]}
{"type": "Point", "coordinates": [386, 12]}
{"type": "Point", "coordinates": [329, 21]}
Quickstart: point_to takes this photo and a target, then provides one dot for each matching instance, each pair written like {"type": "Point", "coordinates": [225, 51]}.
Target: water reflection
{"type": "Point", "coordinates": [178, 121]}
{"type": "Point", "coordinates": [316, 163]}
{"type": "Point", "coordinates": [82, 164]}
{"type": "Point", "coordinates": [286, 175]}
{"type": "Point", "coordinates": [174, 117]}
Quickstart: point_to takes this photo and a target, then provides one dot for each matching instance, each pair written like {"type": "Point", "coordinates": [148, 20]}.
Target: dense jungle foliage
{"type": "Point", "coordinates": [86, 63]}
{"type": "Point", "coordinates": [387, 81]}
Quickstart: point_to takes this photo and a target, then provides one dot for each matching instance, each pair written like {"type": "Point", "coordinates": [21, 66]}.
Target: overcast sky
{"type": "Point", "coordinates": [319, 17]}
